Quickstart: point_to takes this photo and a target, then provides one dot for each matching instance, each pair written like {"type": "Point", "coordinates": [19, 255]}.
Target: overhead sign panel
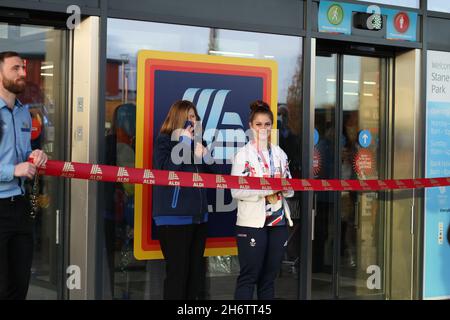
{"type": "Point", "coordinates": [348, 18]}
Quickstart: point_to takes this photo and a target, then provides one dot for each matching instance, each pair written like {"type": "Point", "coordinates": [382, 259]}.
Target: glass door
{"type": "Point", "coordinates": [349, 228]}
{"type": "Point", "coordinates": [44, 50]}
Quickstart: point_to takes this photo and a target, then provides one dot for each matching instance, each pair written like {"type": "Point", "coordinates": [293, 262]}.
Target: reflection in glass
{"type": "Point", "coordinates": [401, 3]}
{"type": "Point", "coordinates": [126, 277]}
{"type": "Point", "coordinates": [362, 227]}
{"type": "Point", "coordinates": [348, 226]}
{"type": "Point", "coordinates": [439, 5]}
{"type": "Point", "coordinates": [323, 168]}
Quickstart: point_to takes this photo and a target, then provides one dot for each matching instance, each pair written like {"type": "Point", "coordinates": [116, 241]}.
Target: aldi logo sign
{"type": "Point", "coordinates": [223, 127]}
{"type": "Point", "coordinates": [222, 89]}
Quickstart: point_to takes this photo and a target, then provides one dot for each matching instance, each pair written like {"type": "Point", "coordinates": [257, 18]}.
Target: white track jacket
{"type": "Point", "coordinates": [251, 203]}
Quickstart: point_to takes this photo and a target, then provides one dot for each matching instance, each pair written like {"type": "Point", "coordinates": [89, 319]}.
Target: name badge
{"type": "Point", "coordinates": [25, 127]}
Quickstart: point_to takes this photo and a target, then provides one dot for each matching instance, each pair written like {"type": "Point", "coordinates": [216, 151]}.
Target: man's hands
{"type": "Point", "coordinates": [27, 169]}
{"type": "Point", "coordinates": [39, 157]}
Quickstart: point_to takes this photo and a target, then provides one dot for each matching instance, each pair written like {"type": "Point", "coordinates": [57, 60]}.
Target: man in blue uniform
{"type": "Point", "coordinates": [16, 223]}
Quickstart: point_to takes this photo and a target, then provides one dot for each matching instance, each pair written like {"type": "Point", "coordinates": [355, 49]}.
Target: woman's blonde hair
{"type": "Point", "coordinates": [177, 116]}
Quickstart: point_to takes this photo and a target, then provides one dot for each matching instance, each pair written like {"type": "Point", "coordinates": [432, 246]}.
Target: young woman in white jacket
{"type": "Point", "coordinates": [263, 215]}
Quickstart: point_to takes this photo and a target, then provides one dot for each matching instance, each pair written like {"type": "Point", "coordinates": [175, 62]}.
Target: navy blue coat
{"type": "Point", "coordinates": [177, 201]}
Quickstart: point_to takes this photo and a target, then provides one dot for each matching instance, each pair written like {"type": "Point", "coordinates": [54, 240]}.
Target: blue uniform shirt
{"type": "Point", "coordinates": [15, 146]}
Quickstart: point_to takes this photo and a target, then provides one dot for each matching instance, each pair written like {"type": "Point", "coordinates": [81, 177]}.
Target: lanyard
{"type": "Point", "coordinates": [262, 160]}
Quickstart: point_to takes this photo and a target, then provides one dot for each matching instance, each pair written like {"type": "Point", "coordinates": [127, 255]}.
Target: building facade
{"type": "Point", "coordinates": [352, 101]}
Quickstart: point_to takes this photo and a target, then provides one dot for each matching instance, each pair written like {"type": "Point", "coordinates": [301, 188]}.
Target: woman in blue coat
{"type": "Point", "coordinates": [181, 213]}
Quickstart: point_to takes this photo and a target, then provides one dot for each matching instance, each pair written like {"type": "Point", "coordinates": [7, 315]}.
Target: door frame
{"type": "Point", "coordinates": [58, 21]}
{"type": "Point", "coordinates": [348, 48]}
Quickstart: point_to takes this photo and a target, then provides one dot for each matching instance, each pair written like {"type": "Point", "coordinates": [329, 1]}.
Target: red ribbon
{"type": "Point", "coordinates": [107, 173]}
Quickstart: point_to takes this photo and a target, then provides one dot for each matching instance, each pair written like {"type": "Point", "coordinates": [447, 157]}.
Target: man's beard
{"type": "Point", "coordinates": [15, 87]}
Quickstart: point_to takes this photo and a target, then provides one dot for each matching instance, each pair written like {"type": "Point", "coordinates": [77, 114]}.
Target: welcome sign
{"type": "Point", "coordinates": [222, 89]}
{"type": "Point", "coordinates": [436, 275]}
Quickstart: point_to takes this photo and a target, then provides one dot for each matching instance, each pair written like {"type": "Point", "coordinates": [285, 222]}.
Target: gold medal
{"type": "Point", "coordinates": [273, 198]}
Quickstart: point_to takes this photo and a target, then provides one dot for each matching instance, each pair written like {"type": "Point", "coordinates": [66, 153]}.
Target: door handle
{"type": "Point", "coordinates": [314, 212]}
{"type": "Point", "coordinates": [356, 214]}
{"type": "Point", "coordinates": [58, 212]}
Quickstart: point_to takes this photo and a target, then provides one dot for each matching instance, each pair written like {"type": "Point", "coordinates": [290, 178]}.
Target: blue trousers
{"type": "Point", "coordinates": [260, 252]}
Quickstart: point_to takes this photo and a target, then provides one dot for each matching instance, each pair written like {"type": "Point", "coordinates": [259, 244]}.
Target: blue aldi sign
{"type": "Point", "coordinates": [222, 89]}
{"type": "Point", "coordinates": [222, 102]}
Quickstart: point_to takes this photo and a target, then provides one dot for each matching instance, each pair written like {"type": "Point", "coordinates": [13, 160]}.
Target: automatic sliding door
{"type": "Point", "coordinates": [361, 215]}
{"type": "Point", "coordinates": [348, 244]}
{"type": "Point", "coordinates": [325, 137]}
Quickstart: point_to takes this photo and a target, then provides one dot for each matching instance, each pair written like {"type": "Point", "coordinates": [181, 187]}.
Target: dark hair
{"type": "Point", "coordinates": [257, 107]}
{"type": "Point", "coordinates": [7, 54]}
{"type": "Point", "coordinates": [3, 56]}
